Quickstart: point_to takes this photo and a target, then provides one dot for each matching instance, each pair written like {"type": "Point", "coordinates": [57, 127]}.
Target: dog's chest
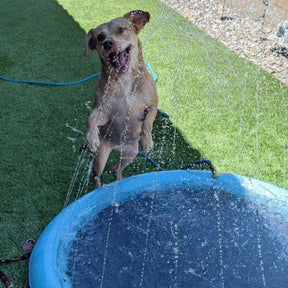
{"type": "Point", "coordinates": [126, 96]}
{"type": "Point", "coordinates": [125, 87]}
{"type": "Point", "coordinates": [127, 105]}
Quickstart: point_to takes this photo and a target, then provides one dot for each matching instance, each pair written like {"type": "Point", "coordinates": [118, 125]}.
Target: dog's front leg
{"type": "Point", "coordinates": [97, 118]}
{"type": "Point", "coordinates": [146, 141]}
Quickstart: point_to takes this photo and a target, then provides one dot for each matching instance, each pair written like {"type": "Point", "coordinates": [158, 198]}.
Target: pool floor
{"type": "Point", "coordinates": [176, 238]}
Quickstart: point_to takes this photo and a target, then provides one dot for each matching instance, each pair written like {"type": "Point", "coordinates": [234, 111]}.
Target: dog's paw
{"type": "Point", "coordinates": [146, 144]}
{"type": "Point", "coordinates": [92, 140]}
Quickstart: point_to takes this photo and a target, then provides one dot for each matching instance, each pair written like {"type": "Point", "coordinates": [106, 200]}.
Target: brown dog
{"type": "Point", "coordinates": [126, 101]}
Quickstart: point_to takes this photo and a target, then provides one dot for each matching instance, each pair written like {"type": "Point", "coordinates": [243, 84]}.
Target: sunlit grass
{"type": "Point", "coordinates": [228, 109]}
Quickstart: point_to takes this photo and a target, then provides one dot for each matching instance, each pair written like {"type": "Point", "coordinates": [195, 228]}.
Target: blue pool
{"type": "Point", "coordinates": [168, 229]}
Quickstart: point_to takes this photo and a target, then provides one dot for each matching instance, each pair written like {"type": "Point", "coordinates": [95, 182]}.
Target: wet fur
{"type": "Point", "coordinates": [125, 103]}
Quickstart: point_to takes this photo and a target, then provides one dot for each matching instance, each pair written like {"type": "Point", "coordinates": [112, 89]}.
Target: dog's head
{"type": "Point", "coordinates": [116, 42]}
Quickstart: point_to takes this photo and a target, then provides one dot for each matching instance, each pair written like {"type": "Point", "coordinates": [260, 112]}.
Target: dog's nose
{"type": "Point", "coordinates": [108, 44]}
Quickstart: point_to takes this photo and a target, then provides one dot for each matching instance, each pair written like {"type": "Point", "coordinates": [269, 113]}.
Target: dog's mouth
{"type": "Point", "coordinates": [120, 60]}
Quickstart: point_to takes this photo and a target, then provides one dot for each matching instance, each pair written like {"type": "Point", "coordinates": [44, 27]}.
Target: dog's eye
{"type": "Point", "coordinates": [100, 37]}
{"type": "Point", "coordinates": [121, 30]}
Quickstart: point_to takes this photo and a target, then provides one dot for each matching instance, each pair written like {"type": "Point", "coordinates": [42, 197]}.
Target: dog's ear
{"type": "Point", "coordinates": [90, 42]}
{"type": "Point", "coordinates": [138, 19]}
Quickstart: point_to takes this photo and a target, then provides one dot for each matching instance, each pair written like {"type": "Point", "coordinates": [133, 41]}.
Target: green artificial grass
{"type": "Point", "coordinates": [221, 108]}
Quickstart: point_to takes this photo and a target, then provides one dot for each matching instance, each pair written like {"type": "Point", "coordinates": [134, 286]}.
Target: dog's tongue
{"type": "Point", "coordinates": [122, 58]}
{"type": "Point", "coordinates": [119, 61]}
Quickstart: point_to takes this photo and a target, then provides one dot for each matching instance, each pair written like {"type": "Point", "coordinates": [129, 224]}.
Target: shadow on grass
{"type": "Point", "coordinates": [40, 41]}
